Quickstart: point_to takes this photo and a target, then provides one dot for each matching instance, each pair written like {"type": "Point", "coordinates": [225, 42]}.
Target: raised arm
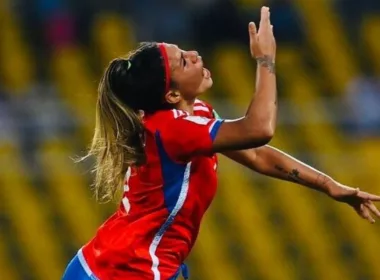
{"type": "Point", "coordinates": [257, 127]}
{"type": "Point", "coordinates": [189, 136]}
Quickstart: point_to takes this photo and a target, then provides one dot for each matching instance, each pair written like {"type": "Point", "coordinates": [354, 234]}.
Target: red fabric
{"type": "Point", "coordinates": [122, 247]}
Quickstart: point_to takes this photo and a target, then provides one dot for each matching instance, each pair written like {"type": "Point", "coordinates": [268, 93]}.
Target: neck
{"type": "Point", "coordinates": [186, 105]}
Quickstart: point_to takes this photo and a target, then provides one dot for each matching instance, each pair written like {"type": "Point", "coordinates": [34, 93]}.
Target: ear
{"type": "Point", "coordinates": [173, 97]}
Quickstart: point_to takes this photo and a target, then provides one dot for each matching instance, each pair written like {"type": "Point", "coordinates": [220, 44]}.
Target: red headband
{"type": "Point", "coordinates": [167, 67]}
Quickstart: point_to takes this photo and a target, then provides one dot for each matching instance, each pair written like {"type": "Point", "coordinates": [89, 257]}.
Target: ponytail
{"type": "Point", "coordinates": [117, 142]}
{"type": "Point", "coordinates": [136, 82]}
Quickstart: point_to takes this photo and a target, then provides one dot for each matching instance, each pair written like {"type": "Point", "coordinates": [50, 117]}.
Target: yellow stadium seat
{"type": "Point", "coordinates": [113, 37]}
{"type": "Point", "coordinates": [69, 191]}
{"type": "Point", "coordinates": [231, 64]}
{"type": "Point", "coordinates": [263, 246]}
{"type": "Point", "coordinates": [77, 87]}
{"type": "Point", "coordinates": [367, 153]}
{"type": "Point", "coordinates": [307, 225]}
{"type": "Point", "coordinates": [328, 147]}
{"type": "Point", "coordinates": [7, 268]}
{"type": "Point", "coordinates": [370, 31]}
{"type": "Point", "coordinates": [328, 43]}
{"type": "Point", "coordinates": [17, 67]}
{"type": "Point", "coordinates": [29, 217]}
{"type": "Point", "coordinates": [210, 251]}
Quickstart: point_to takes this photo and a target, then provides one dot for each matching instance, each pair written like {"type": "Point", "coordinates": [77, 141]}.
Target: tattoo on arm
{"type": "Point", "coordinates": [267, 62]}
{"type": "Point", "coordinates": [293, 175]}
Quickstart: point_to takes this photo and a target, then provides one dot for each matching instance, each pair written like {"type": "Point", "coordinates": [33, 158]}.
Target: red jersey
{"type": "Point", "coordinates": [164, 200]}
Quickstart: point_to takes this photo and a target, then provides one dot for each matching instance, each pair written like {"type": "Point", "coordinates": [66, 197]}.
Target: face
{"type": "Point", "coordinates": [188, 72]}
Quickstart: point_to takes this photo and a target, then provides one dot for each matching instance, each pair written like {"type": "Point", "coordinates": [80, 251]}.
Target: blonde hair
{"type": "Point", "coordinates": [129, 84]}
{"type": "Point", "coordinates": [117, 142]}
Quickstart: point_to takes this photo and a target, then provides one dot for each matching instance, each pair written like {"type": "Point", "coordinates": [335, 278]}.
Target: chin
{"type": "Point", "coordinates": [206, 85]}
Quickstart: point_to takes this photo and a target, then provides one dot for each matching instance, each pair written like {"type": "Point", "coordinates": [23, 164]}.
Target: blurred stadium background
{"type": "Point", "coordinates": [52, 53]}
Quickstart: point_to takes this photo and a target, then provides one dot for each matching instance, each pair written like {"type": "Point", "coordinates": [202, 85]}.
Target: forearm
{"type": "Point", "coordinates": [264, 105]}
{"type": "Point", "coordinates": [275, 163]}
{"type": "Point", "coordinates": [258, 125]}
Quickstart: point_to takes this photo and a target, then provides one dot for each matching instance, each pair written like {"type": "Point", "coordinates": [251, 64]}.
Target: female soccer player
{"type": "Point", "coordinates": [154, 137]}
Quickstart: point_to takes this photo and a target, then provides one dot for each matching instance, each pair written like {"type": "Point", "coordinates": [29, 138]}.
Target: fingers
{"type": "Point", "coordinates": [373, 208]}
{"type": "Point", "coordinates": [261, 37]}
{"type": "Point", "coordinates": [253, 40]}
{"type": "Point", "coordinates": [264, 21]}
{"type": "Point", "coordinates": [364, 213]}
{"type": "Point", "coordinates": [265, 15]}
{"type": "Point", "coordinates": [368, 196]}
{"type": "Point", "coordinates": [252, 29]}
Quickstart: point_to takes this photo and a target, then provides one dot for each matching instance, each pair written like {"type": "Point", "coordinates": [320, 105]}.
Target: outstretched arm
{"type": "Point", "coordinates": [272, 162]}
{"type": "Point", "coordinates": [275, 163]}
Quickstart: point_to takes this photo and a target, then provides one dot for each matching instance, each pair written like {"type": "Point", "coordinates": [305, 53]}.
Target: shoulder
{"type": "Point", "coordinates": [162, 118]}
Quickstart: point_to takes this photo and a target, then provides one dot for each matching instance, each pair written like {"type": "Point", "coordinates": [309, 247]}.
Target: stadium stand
{"type": "Point", "coordinates": [257, 228]}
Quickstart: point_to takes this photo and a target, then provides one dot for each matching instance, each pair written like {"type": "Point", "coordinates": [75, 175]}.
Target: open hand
{"type": "Point", "coordinates": [362, 202]}
{"type": "Point", "coordinates": [262, 42]}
